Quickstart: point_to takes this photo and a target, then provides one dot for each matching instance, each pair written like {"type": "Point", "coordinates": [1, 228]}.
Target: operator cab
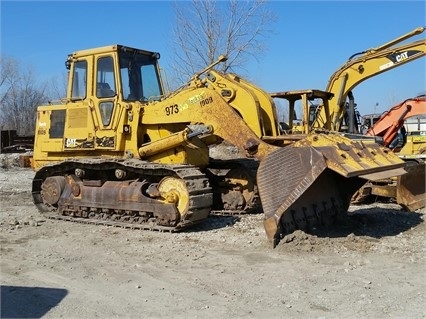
{"type": "Point", "coordinates": [135, 78]}
{"type": "Point", "coordinates": [311, 101]}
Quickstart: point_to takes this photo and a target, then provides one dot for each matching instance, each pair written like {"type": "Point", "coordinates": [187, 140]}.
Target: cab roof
{"type": "Point", "coordinates": [111, 48]}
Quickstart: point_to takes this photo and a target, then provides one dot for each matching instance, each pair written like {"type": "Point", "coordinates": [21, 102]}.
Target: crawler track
{"type": "Point", "coordinates": [147, 217]}
{"type": "Point", "coordinates": [234, 186]}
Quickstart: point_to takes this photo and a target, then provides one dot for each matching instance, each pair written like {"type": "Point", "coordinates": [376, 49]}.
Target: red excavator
{"type": "Point", "coordinates": [403, 129]}
{"type": "Point", "coordinates": [391, 121]}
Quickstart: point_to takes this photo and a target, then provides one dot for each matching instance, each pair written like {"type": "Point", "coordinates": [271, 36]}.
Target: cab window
{"type": "Point", "coordinates": [105, 109]}
{"type": "Point", "coordinates": [105, 84]}
{"type": "Point", "coordinates": [79, 80]}
{"type": "Point", "coordinates": [139, 77]}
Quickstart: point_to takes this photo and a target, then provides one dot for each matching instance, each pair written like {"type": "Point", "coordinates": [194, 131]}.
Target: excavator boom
{"type": "Point", "coordinates": [392, 120]}
{"type": "Point", "coordinates": [364, 65]}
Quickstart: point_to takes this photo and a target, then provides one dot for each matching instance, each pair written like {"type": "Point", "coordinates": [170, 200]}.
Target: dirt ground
{"type": "Point", "coordinates": [372, 267]}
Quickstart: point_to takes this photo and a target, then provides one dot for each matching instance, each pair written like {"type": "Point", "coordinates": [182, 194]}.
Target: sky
{"type": "Point", "coordinates": [310, 40]}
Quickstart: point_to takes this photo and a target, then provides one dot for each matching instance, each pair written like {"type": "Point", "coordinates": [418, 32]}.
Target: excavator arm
{"type": "Point", "coordinates": [364, 65]}
{"type": "Point", "coordinates": [408, 190]}
{"type": "Point", "coordinates": [391, 121]}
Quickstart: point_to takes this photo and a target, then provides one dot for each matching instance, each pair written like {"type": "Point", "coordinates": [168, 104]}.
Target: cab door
{"type": "Point", "coordinates": [79, 127]}
{"type": "Point", "coordinates": [105, 100]}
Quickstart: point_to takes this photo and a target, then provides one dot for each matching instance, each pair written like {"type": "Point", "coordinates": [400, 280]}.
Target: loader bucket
{"type": "Point", "coordinates": [303, 187]}
{"type": "Point", "coordinates": [410, 189]}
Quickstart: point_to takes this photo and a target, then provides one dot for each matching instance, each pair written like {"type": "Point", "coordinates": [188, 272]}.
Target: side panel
{"type": "Point", "coordinates": [79, 131]}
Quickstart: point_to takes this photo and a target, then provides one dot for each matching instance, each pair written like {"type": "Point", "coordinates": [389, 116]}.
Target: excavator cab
{"type": "Point", "coordinates": [311, 101]}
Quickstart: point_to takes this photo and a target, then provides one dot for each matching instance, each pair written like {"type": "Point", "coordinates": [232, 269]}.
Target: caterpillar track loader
{"type": "Point", "coordinates": [118, 151]}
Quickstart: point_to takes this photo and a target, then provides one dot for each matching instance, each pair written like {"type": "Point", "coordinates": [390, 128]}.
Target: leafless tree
{"type": "Point", "coordinates": [57, 87]}
{"type": "Point", "coordinates": [206, 29]}
{"type": "Point", "coordinates": [20, 94]}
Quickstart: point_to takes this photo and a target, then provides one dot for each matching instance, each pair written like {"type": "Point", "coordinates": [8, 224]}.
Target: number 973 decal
{"type": "Point", "coordinates": [172, 109]}
{"type": "Point", "coordinates": [175, 109]}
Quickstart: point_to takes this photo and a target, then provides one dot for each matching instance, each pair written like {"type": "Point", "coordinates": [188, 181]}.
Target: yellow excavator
{"type": "Point", "coordinates": [360, 67]}
{"type": "Point", "coordinates": [119, 151]}
{"type": "Point", "coordinates": [334, 110]}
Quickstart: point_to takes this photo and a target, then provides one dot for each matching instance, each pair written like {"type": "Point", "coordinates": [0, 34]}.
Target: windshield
{"type": "Point", "coordinates": [139, 77]}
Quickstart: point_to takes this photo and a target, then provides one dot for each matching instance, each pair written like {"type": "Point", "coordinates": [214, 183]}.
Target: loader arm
{"type": "Point", "coordinates": [251, 102]}
{"type": "Point", "coordinates": [205, 106]}
{"type": "Point", "coordinates": [364, 65]}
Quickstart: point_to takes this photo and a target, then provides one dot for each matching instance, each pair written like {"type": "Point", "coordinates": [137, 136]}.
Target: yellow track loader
{"type": "Point", "coordinates": [119, 151]}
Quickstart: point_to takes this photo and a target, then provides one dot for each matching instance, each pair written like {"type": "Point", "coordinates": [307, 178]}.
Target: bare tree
{"type": "Point", "coordinates": [8, 69]}
{"type": "Point", "coordinates": [57, 87]}
{"type": "Point", "coordinates": [206, 29]}
{"type": "Point", "coordinates": [20, 94]}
